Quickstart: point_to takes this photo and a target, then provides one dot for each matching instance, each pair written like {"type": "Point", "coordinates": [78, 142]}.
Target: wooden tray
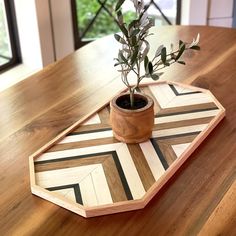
{"type": "Point", "coordinates": [87, 171]}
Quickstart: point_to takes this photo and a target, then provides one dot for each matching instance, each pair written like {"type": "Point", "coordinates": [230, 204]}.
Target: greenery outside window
{"type": "Point", "coordinates": [93, 19]}
{"type": "Point", "coordinates": [9, 46]}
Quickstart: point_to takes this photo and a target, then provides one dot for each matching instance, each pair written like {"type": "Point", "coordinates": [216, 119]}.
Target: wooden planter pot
{"type": "Point", "coordinates": [132, 126]}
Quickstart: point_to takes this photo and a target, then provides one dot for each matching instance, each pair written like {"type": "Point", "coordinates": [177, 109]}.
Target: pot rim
{"type": "Point", "coordinates": [149, 104]}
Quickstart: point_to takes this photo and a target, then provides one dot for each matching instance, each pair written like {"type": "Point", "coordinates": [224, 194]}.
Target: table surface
{"type": "Point", "coordinates": [199, 199]}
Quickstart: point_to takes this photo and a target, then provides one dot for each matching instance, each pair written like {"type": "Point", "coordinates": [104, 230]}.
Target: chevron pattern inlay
{"type": "Point", "coordinates": [90, 167]}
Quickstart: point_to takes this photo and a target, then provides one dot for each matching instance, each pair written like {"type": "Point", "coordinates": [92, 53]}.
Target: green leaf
{"type": "Point", "coordinates": [119, 39]}
{"type": "Point", "coordinates": [147, 27]}
{"type": "Point", "coordinates": [121, 57]}
{"type": "Point", "coordinates": [132, 24]}
{"type": "Point", "coordinates": [119, 4]}
{"type": "Point", "coordinates": [134, 56]}
{"type": "Point", "coordinates": [195, 47]}
{"type": "Point", "coordinates": [146, 49]}
{"type": "Point", "coordinates": [163, 55]}
{"type": "Point", "coordinates": [181, 50]}
{"type": "Point", "coordinates": [146, 60]}
{"type": "Point", "coordinates": [155, 76]}
{"type": "Point", "coordinates": [180, 43]}
{"type": "Point", "coordinates": [158, 51]}
{"type": "Point", "coordinates": [134, 32]}
{"type": "Point", "coordinates": [117, 64]}
{"type": "Point", "coordinates": [181, 62]}
{"type": "Point", "coordinates": [150, 68]}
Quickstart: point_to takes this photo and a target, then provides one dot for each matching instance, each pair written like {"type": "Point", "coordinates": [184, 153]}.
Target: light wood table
{"type": "Point", "coordinates": [199, 199]}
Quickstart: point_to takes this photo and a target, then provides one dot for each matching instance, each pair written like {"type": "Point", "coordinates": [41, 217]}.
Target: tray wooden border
{"type": "Point", "coordinates": [124, 205]}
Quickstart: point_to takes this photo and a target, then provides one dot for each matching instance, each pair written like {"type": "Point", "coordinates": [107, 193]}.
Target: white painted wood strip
{"type": "Point", "coordinates": [73, 175]}
{"type": "Point", "coordinates": [165, 88]}
{"type": "Point", "coordinates": [87, 191]}
{"type": "Point", "coordinates": [88, 136]}
{"type": "Point", "coordinates": [130, 172]}
{"type": "Point", "coordinates": [101, 186]}
{"type": "Point", "coordinates": [77, 152]}
{"type": "Point", "coordinates": [180, 148]}
{"type": "Point", "coordinates": [95, 119]}
{"type": "Point", "coordinates": [179, 130]}
{"type": "Point", "coordinates": [162, 93]}
{"type": "Point", "coordinates": [190, 99]}
{"type": "Point", "coordinates": [153, 160]}
{"type": "Point", "coordinates": [67, 193]}
{"type": "Point", "coordinates": [188, 116]}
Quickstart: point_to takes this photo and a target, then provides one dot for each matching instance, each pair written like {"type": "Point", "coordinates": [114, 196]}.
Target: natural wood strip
{"type": "Point", "coordinates": [166, 146]}
{"type": "Point", "coordinates": [113, 180]}
{"type": "Point", "coordinates": [141, 164]}
{"type": "Point", "coordinates": [40, 167]}
{"type": "Point", "coordinates": [183, 123]}
{"type": "Point", "coordinates": [188, 108]}
{"type": "Point", "coordinates": [84, 128]}
{"type": "Point", "coordinates": [78, 151]}
{"type": "Point", "coordinates": [223, 217]}
{"type": "Point", "coordinates": [187, 116]}
{"type": "Point", "coordinates": [178, 140]}
{"type": "Point", "coordinates": [82, 144]}
{"type": "Point", "coordinates": [167, 151]}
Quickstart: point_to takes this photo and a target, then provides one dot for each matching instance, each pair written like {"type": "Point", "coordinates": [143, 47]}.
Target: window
{"type": "Point", "coordinates": [93, 19]}
{"type": "Point", "coordinates": [9, 50]}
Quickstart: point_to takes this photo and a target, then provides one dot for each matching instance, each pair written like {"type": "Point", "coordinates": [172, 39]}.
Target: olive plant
{"type": "Point", "coordinates": [133, 54]}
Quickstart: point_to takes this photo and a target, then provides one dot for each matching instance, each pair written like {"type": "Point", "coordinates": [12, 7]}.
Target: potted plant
{"type": "Point", "coordinates": [133, 58]}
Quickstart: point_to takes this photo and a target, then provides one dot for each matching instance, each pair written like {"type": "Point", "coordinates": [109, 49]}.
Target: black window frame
{"type": "Point", "coordinates": [234, 14]}
{"type": "Point", "coordinates": [13, 36]}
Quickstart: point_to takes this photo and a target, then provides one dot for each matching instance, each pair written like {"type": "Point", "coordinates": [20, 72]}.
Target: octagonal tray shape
{"type": "Point", "coordinates": [87, 171]}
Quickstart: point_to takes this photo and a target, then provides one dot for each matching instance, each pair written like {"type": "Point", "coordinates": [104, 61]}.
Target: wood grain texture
{"type": "Point", "coordinates": [130, 126]}
{"type": "Point", "coordinates": [39, 108]}
{"type": "Point", "coordinates": [223, 217]}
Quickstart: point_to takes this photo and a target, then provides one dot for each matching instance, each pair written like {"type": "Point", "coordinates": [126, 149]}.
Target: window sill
{"type": "Point", "coordinates": [15, 75]}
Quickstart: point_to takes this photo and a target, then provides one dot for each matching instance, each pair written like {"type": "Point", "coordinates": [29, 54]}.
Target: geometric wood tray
{"type": "Point", "coordinates": [87, 171]}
